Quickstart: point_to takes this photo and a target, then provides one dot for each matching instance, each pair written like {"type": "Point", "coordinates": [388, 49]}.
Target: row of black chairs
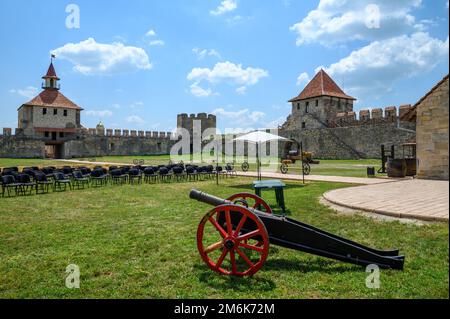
{"type": "Point", "coordinates": [59, 179]}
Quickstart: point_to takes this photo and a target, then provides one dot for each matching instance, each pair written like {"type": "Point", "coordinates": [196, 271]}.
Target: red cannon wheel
{"type": "Point", "coordinates": [252, 200]}
{"type": "Point", "coordinates": [228, 250]}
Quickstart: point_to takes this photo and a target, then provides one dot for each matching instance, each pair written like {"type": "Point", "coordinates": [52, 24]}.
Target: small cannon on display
{"type": "Point", "coordinates": [233, 238]}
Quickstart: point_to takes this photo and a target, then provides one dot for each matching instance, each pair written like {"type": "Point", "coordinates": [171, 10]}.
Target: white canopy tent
{"type": "Point", "coordinates": [258, 137]}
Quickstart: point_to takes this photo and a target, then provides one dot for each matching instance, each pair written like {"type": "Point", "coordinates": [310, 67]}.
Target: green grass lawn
{"type": "Point", "coordinates": [351, 168]}
{"type": "Point", "coordinates": [22, 162]}
{"type": "Point", "coordinates": [140, 242]}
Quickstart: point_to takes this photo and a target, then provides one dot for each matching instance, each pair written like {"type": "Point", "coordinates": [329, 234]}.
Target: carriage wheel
{"type": "Point", "coordinates": [226, 248]}
{"type": "Point", "coordinates": [306, 168]}
{"type": "Point", "coordinates": [250, 200]}
{"type": "Point", "coordinates": [284, 168]}
{"type": "Point", "coordinates": [245, 167]}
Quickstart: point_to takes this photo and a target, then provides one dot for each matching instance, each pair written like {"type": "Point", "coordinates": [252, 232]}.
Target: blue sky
{"type": "Point", "coordinates": [137, 64]}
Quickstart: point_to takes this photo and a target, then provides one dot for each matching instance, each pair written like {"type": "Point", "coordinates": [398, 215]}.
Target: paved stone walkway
{"type": "Point", "coordinates": [419, 199]}
{"type": "Point", "coordinates": [323, 178]}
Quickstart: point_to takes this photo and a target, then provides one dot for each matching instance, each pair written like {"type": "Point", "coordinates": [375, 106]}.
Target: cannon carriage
{"type": "Point", "coordinates": [234, 237]}
{"type": "Point", "coordinates": [294, 152]}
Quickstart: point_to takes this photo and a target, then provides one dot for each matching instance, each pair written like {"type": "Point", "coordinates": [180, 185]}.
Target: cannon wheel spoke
{"type": "Point", "coordinates": [231, 242]}
{"type": "Point", "coordinates": [249, 235]}
{"type": "Point", "coordinates": [219, 228]}
{"type": "Point", "coordinates": [228, 220]}
{"type": "Point", "coordinates": [252, 247]}
{"type": "Point", "coordinates": [244, 256]}
{"type": "Point", "coordinates": [213, 247]}
{"type": "Point", "coordinates": [221, 258]}
{"type": "Point", "coordinates": [233, 262]}
{"type": "Point", "coordinates": [239, 226]}
{"type": "Point", "coordinates": [259, 203]}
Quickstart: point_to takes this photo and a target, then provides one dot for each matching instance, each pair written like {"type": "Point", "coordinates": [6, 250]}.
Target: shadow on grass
{"type": "Point", "coordinates": [256, 283]}
{"type": "Point", "coordinates": [315, 265]}
{"type": "Point", "coordinates": [241, 284]}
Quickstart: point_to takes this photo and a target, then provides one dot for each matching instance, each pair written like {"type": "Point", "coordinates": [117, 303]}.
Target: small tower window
{"type": "Point", "coordinates": [44, 111]}
{"type": "Point", "coordinates": [55, 111]}
{"type": "Point", "coordinates": [65, 112]}
{"type": "Point", "coordinates": [306, 108]}
{"type": "Point", "coordinates": [46, 134]}
{"type": "Point", "coordinates": [317, 102]}
{"type": "Point", "coordinates": [61, 134]}
{"type": "Point", "coordinates": [298, 106]}
{"type": "Point", "coordinates": [303, 125]}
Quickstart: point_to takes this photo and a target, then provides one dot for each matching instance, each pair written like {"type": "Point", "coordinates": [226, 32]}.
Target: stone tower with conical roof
{"type": "Point", "coordinates": [50, 116]}
{"type": "Point", "coordinates": [318, 103]}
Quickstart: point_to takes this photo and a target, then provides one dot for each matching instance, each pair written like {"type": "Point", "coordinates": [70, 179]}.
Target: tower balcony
{"type": "Point", "coordinates": [56, 86]}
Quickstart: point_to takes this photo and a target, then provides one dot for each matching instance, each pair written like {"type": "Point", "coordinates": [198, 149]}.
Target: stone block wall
{"type": "Point", "coordinates": [90, 143]}
{"type": "Point", "coordinates": [432, 134]}
{"type": "Point", "coordinates": [14, 147]}
{"type": "Point", "coordinates": [351, 142]}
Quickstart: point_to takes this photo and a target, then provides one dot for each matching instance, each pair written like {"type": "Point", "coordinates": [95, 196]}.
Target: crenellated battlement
{"type": "Point", "coordinates": [207, 121]}
{"type": "Point", "coordinates": [121, 133]}
{"type": "Point", "coordinates": [389, 114]}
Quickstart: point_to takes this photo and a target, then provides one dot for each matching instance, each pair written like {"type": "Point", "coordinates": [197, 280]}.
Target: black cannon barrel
{"type": "Point", "coordinates": [207, 198]}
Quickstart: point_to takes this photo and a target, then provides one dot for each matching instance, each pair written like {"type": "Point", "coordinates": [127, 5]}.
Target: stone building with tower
{"type": "Point", "coordinates": [50, 116]}
{"type": "Point", "coordinates": [323, 119]}
{"type": "Point", "coordinates": [49, 126]}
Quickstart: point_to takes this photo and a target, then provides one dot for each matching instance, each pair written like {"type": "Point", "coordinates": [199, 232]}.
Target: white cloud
{"type": "Point", "coordinates": [92, 58]}
{"type": "Point", "coordinates": [303, 79]}
{"type": "Point", "coordinates": [277, 122]}
{"type": "Point", "coordinates": [136, 104]}
{"type": "Point", "coordinates": [157, 43]}
{"type": "Point", "coordinates": [198, 91]}
{"type": "Point", "coordinates": [224, 7]}
{"type": "Point", "coordinates": [243, 117]}
{"type": "Point", "coordinates": [116, 106]}
{"type": "Point", "coordinates": [101, 114]}
{"type": "Point", "coordinates": [134, 119]}
{"type": "Point", "coordinates": [373, 69]}
{"type": "Point", "coordinates": [202, 53]}
{"type": "Point", "coordinates": [229, 72]}
{"type": "Point", "coordinates": [338, 21]}
{"type": "Point", "coordinates": [241, 90]}
{"type": "Point", "coordinates": [151, 33]}
{"type": "Point", "coordinates": [28, 92]}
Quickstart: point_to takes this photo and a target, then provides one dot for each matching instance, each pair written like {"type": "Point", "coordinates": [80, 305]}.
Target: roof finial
{"type": "Point", "coordinates": [52, 56]}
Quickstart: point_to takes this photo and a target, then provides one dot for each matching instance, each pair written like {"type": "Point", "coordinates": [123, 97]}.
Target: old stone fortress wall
{"type": "Point", "coordinates": [322, 118]}
{"type": "Point", "coordinates": [91, 142]}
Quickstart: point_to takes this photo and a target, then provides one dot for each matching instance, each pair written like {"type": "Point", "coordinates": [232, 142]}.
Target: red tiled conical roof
{"type": "Point", "coordinates": [52, 98]}
{"type": "Point", "coordinates": [321, 85]}
{"type": "Point", "coordinates": [51, 73]}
